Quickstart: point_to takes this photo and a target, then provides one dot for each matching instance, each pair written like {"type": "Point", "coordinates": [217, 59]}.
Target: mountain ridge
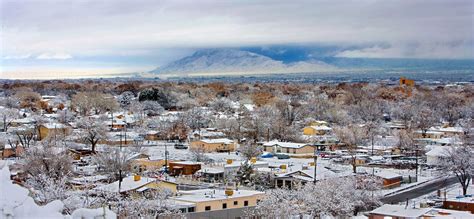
{"type": "Point", "coordinates": [225, 61]}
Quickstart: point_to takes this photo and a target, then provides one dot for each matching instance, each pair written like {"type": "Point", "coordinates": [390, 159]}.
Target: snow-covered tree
{"type": "Point", "coordinates": [92, 132]}
{"type": "Point", "coordinates": [460, 162]}
{"type": "Point", "coordinates": [7, 116]}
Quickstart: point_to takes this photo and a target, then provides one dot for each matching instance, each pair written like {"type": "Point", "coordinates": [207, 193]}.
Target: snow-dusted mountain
{"type": "Point", "coordinates": [225, 61]}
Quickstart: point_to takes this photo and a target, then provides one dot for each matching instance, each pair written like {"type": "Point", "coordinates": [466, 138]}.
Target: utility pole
{"type": "Point", "coordinates": [315, 164]}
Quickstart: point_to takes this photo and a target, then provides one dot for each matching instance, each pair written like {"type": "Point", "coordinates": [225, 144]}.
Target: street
{"type": "Point", "coordinates": [419, 191]}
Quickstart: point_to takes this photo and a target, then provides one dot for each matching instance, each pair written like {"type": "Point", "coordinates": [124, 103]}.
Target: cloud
{"type": "Point", "coordinates": [60, 56]}
{"type": "Point", "coordinates": [454, 50]}
{"type": "Point", "coordinates": [142, 28]}
{"type": "Point", "coordinates": [26, 56]}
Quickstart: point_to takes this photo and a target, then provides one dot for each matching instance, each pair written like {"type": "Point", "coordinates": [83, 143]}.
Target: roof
{"type": "Point", "coordinates": [54, 125]}
{"type": "Point", "coordinates": [204, 195]}
{"type": "Point", "coordinates": [218, 141]}
{"type": "Point", "coordinates": [400, 211]}
{"type": "Point", "coordinates": [385, 174]}
{"type": "Point", "coordinates": [285, 144]}
{"type": "Point", "coordinates": [321, 128]}
{"type": "Point", "coordinates": [128, 184]}
{"type": "Point", "coordinates": [437, 151]}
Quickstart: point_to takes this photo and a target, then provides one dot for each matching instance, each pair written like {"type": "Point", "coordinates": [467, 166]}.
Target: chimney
{"type": "Point", "coordinates": [137, 178]}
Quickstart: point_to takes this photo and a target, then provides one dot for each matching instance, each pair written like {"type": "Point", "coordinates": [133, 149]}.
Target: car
{"type": "Point", "coordinates": [282, 156]}
{"type": "Point", "coordinates": [180, 146]}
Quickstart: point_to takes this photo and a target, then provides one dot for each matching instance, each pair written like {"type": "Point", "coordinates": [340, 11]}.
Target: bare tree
{"type": "Point", "coordinates": [114, 161]}
{"type": "Point", "coordinates": [92, 132]}
{"type": "Point", "coordinates": [350, 136]}
{"type": "Point", "coordinates": [8, 116]}
{"type": "Point", "coordinates": [460, 161]}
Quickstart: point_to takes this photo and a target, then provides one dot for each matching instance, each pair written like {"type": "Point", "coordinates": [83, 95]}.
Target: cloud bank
{"type": "Point", "coordinates": [159, 31]}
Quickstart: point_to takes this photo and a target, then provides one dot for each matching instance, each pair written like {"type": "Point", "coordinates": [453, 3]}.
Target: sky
{"type": "Point", "coordinates": [40, 38]}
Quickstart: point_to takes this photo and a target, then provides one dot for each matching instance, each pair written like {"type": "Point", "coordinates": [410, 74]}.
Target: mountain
{"type": "Point", "coordinates": [233, 61]}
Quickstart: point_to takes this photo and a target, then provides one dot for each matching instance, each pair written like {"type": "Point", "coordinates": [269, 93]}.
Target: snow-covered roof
{"type": "Point", "coordinates": [437, 151]}
{"type": "Point", "coordinates": [284, 144]}
{"type": "Point", "coordinates": [321, 128]}
{"type": "Point", "coordinates": [400, 211]}
{"type": "Point", "coordinates": [386, 174]}
{"type": "Point", "coordinates": [128, 184]}
{"type": "Point", "coordinates": [103, 213]}
{"type": "Point", "coordinates": [218, 141]}
{"type": "Point", "coordinates": [204, 195]}
{"type": "Point", "coordinates": [54, 125]}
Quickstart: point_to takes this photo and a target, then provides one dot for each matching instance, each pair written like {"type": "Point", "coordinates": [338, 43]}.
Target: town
{"type": "Point", "coordinates": [151, 149]}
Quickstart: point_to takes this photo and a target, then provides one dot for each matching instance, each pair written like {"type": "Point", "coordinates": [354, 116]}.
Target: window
{"type": "Point", "coordinates": [208, 208]}
{"type": "Point", "coordinates": [236, 202]}
{"type": "Point", "coordinates": [246, 203]}
{"type": "Point", "coordinates": [224, 206]}
{"type": "Point", "coordinates": [191, 209]}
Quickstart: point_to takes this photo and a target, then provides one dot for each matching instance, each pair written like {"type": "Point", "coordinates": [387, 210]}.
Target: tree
{"type": "Point", "coordinates": [164, 97]}
{"type": "Point", "coordinates": [125, 99]}
{"type": "Point", "coordinates": [8, 116]}
{"type": "Point", "coordinates": [92, 132]}
{"type": "Point", "coordinates": [249, 151]}
{"type": "Point", "coordinates": [151, 108]}
{"type": "Point", "coordinates": [114, 161]}
{"type": "Point", "coordinates": [460, 161]}
{"type": "Point", "coordinates": [338, 197]}
{"type": "Point", "coordinates": [94, 101]}
{"type": "Point", "coordinates": [198, 155]}
{"type": "Point", "coordinates": [350, 136]}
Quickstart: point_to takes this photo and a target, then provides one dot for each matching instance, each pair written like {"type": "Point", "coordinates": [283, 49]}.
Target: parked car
{"type": "Point", "coordinates": [180, 146]}
{"type": "Point", "coordinates": [282, 156]}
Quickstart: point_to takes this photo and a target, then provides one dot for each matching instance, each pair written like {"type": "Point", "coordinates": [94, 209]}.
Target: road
{"type": "Point", "coordinates": [419, 190]}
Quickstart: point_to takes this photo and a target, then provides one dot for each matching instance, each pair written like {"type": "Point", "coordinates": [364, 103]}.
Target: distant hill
{"type": "Point", "coordinates": [233, 61]}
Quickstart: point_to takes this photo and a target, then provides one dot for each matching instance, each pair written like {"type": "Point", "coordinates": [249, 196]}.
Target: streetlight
{"type": "Point", "coordinates": [317, 149]}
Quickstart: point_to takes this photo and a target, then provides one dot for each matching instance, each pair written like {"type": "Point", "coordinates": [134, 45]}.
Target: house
{"type": "Point", "coordinates": [435, 156]}
{"type": "Point", "coordinates": [137, 183]}
{"type": "Point", "coordinates": [208, 133]}
{"type": "Point", "coordinates": [288, 147]}
{"type": "Point", "coordinates": [183, 167]}
{"type": "Point", "coordinates": [461, 204]}
{"type": "Point", "coordinates": [219, 199]}
{"type": "Point", "coordinates": [146, 164]}
{"type": "Point", "coordinates": [214, 145]}
{"type": "Point", "coordinates": [53, 130]}
{"type": "Point", "coordinates": [152, 136]}
{"type": "Point", "coordinates": [9, 151]}
{"type": "Point", "coordinates": [316, 130]}
{"type": "Point", "coordinates": [389, 179]}
{"type": "Point", "coordinates": [305, 174]}
{"type": "Point", "coordinates": [232, 167]}
{"type": "Point", "coordinates": [409, 212]}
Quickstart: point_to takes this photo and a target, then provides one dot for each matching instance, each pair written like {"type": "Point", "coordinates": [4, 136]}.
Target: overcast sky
{"type": "Point", "coordinates": [115, 35]}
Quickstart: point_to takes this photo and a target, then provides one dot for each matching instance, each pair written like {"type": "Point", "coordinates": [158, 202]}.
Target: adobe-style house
{"type": "Point", "coordinates": [316, 130]}
{"type": "Point", "coordinates": [214, 145]}
{"type": "Point", "coordinates": [287, 147]}
{"type": "Point", "coordinates": [53, 129]}
{"type": "Point", "coordinates": [219, 199]}
{"type": "Point", "coordinates": [183, 167]}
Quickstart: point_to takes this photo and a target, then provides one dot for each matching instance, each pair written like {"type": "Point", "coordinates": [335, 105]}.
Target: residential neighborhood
{"type": "Point", "coordinates": [142, 150]}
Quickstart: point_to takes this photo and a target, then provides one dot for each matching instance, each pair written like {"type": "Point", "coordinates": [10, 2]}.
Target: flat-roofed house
{"type": "Point", "coordinates": [287, 147]}
{"type": "Point", "coordinates": [214, 145]}
{"type": "Point", "coordinates": [53, 129]}
{"type": "Point", "coordinates": [219, 199]}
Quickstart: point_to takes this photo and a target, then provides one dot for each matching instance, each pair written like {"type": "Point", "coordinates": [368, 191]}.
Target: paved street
{"type": "Point", "coordinates": [419, 190]}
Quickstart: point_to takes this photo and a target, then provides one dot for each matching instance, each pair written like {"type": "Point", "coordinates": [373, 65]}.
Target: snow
{"type": "Point", "coordinates": [284, 144]}
{"type": "Point", "coordinates": [128, 183]}
{"type": "Point", "coordinates": [218, 141]}
{"type": "Point", "coordinates": [54, 125]}
{"type": "Point", "coordinates": [203, 195]}
{"type": "Point", "coordinates": [98, 213]}
{"type": "Point", "coordinates": [15, 202]}
{"type": "Point", "coordinates": [400, 211]}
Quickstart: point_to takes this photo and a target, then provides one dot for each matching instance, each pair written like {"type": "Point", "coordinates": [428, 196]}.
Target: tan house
{"type": "Point", "coordinates": [217, 199]}
{"type": "Point", "coordinates": [288, 147]}
{"type": "Point", "coordinates": [214, 145]}
{"type": "Point", "coordinates": [53, 130]}
{"type": "Point", "coordinates": [316, 130]}
{"type": "Point", "coordinates": [146, 164]}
